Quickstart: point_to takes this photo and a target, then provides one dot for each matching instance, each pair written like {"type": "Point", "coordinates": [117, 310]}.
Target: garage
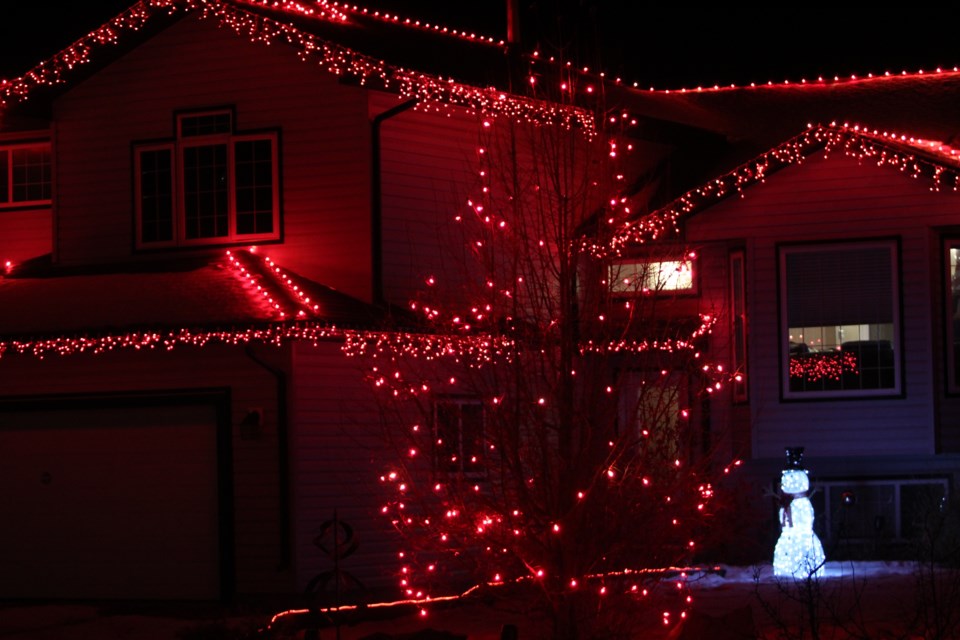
{"type": "Point", "coordinates": [106, 499]}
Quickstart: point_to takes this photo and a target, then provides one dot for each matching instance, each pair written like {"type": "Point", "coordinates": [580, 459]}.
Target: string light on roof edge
{"type": "Point", "coordinates": [431, 92]}
{"type": "Point", "coordinates": [412, 22]}
{"type": "Point", "coordinates": [802, 83]}
{"type": "Point", "coordinates": [856, 141]}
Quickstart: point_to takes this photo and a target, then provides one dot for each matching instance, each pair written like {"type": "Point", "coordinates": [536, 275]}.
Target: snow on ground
{"type": "Point", "coordinates": [854, 600]}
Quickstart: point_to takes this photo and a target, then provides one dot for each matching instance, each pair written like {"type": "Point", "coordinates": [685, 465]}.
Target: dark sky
{"type": "Point", "coordinates": [671, 45]}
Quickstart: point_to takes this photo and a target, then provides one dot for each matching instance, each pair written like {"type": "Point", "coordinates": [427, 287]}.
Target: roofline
{"type": "Point", "coordinates": [427, 89]}
{"type": "Point", "coordinates": [910, 155]}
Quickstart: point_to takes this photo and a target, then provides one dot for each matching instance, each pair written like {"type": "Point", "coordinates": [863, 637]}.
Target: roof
{"type": "Point", "coordinates": [935, 161]}
{"type": "Point", "coordinates": [231, 292]}
{"type": "Point", "coordinates": [436, 65]}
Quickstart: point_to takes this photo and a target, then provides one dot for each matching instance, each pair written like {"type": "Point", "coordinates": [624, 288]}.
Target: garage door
{"type": "Point", "coordinates": [109, 503]}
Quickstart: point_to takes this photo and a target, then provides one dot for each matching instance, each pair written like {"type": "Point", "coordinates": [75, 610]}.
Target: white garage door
{"type": "Point", "coordinates": [109, 503]}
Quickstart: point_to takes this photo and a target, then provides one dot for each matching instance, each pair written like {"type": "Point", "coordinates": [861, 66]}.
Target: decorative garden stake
{"type": "Point", "coordinates": [798, 553]}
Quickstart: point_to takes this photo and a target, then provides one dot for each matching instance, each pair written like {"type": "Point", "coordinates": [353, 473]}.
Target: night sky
{"type": "Point", "coordinates": [667, 46]}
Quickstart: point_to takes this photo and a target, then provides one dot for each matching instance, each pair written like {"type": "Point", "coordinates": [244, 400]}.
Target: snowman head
{"type": "Point", "coordinates": [794, 481]}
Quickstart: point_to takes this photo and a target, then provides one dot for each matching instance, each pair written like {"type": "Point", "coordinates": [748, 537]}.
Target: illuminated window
{"type": "Point", "coordinates": [25, 174]}
{"type": "Point", "coordinates": [652, 276]}
{"type": "Point", "coordinates": [840, 315]}
{"type": "Point", "coordinates": [458, 435]}
{"type": "Point", "coordinates": [209, 185]}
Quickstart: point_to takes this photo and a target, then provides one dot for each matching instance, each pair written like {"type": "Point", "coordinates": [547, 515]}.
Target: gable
{"type": "Point", "coordinates": [832, 195]}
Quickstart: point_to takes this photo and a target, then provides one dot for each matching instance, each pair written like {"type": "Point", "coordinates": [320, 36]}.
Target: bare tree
{"type": "Point", "coordinates": [549, 435]}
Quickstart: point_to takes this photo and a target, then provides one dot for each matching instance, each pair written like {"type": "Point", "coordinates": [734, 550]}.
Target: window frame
{"type": "Point", "coordinates": [673, 386]}
{"type": "Point", "coordinates": [617, 289]}
{"type": "Point", "coordinates": [444, 467]}
{"type": "Point", "coordinates": [178, 146]}
{"type": "Point", "coordinates": [7, 148]}
{"type": "Point", "coordinates": [891, 244]}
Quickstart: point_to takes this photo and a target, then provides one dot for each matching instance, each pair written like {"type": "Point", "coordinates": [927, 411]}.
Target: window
{"type": "Point", "coordinates": [25, 174]}
{"type": "Point", "coordinates": [840, 320]}
{"type": "Point", "coordinates": [953, 315]}
{"type": "Point", "coordinates": [458, 435]}
{"type": "Point", "coordinates": [209, 185]}
{"type": "Point", "coordinates": [655, 405]}
{"type": "Point", "coordinates": [646, 276]}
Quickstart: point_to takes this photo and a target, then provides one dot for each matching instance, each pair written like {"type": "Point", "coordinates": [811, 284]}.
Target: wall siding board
{"type": "Point", "coordinates": [340, 454]}
{"type": "Point", "coordinates": [25, 234]}
{"type": "Point", "coordinates": [427, 163]}
{"type": "Point", "coordinates": [825, 200]}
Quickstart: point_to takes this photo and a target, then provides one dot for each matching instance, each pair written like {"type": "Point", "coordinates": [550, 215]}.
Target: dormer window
{"type": "Point", "coordinates": [211, 184]}
{"type": "Point", "coordinates": [25, 174]}
{"type": "Point", "coordinates": [639, 276]}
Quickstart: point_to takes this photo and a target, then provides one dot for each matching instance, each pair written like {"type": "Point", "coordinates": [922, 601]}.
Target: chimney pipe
{"type": "Point", "coordinates": [513, 22]}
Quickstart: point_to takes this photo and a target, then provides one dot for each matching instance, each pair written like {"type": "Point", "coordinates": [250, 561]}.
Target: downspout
{"type": "Point", "coordinates": [376, 200]}
{"type": "Point", "coordinates": [283, 461]}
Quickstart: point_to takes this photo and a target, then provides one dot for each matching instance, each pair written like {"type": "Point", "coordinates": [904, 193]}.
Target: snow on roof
{"type": "Point", "coordinates": [206, 293]}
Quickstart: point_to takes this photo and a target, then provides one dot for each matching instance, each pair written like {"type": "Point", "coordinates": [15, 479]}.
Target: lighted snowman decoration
{"type": "Point", "coordinates": [798, 553]}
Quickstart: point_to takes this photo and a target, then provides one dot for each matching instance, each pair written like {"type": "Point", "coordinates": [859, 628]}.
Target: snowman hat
{"type": "Point", "coordinates": [794, 457]}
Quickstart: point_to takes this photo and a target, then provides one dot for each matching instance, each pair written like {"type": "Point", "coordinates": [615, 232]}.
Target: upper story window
{"type": "Point", "coordinates": [840, 320]}
{"type": "Point", "coordinates": [209, 185]}
{"type": "Point", "coordinates": [635, 276]}
{"type": "Point", "coordinates": [25, 174]}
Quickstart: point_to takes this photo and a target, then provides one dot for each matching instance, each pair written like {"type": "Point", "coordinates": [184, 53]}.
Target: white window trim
{"type": "Point", "coordinates": [619, 287]}
{"type": "Point", "coordinates": [177, 146]}
{"type": "Point", "coordinates": [7, 148]}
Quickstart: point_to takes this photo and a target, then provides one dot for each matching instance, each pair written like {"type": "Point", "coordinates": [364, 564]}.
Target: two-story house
{"type": "Point", "coordinates": [199, 202]}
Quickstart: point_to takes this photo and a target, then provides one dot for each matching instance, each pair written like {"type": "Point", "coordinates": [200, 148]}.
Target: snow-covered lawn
{"type": "Point", "coordinates": [875, 600]}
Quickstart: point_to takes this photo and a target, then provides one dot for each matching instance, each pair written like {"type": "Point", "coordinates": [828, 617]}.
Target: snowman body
{"type": "Point", "coordinates": [798, 553]}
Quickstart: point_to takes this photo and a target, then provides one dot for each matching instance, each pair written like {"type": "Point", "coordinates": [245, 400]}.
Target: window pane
{"type": "Point", "coordinates": [254, 186]}
{"type": "Point", "coordinates": [640, 276]}
{"type": "Point", "coordinates": [840, 317]}
{"type": "Point", "coordinates": [156, 196]}
{"type": "Point", "coordinates": [471, 435]}
{"type": "Point", "coordinates": [4, 176]}
{"type": "Point", "coordinates": [459, 435]}
{"type": "Point", "coordinates": [205, 190]}
{"type": "Point", "coordinates": [448, 436]}
{"type": "Point", "coordinates": [31, 174]}
{"type": "Point", "coordinates": [205, 124]}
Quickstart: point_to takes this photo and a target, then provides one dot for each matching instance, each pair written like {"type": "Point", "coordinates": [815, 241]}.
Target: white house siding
{"type": "Point", "coordinates": [339, 453]}
{"type": "Point", "coordinates": [24, 234]}
{"type": "Point", "coordinates": [256, 524]}
{"type": "Point", "coordinates": [193, 65]}
{"type": "Point", "coordinates": [823, 200]}
{"type": "Point", "coordinates": [428, 164]}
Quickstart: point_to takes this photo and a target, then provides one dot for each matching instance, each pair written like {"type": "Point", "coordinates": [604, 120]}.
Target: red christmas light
{"type": "Point", "coordinates": [431, 92]}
